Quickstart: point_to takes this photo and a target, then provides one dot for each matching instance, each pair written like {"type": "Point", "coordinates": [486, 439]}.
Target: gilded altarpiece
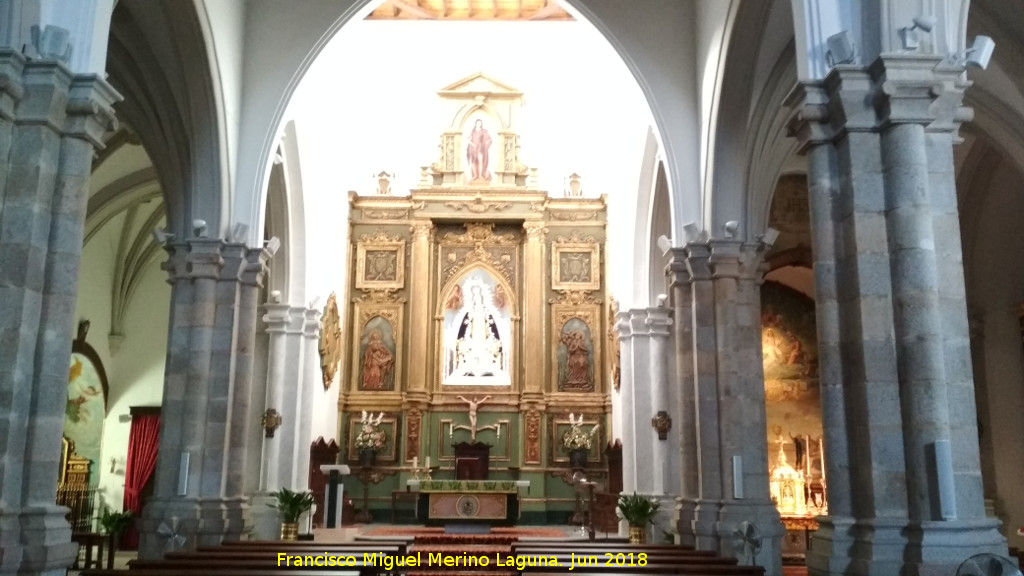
{"type": "Point", "coordinates": [478, 311]}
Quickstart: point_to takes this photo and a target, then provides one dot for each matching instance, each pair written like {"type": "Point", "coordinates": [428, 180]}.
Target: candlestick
{"type": "Point", "coordinates": [428, 462]}
{"type": "Point", "coordinates": [415, 462]}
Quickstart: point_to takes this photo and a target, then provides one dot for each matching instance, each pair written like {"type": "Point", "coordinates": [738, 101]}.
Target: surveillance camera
{"type": "Point", "coordinates": [314, 302]}
{"type": "Point", "coordinates": [925, 23]}
{"type": "Point", "coordinates": [239, 232]}
{"type": "Point", "coordinates": [731, 227]}
{"type": "Point", "coordinates": [769, 237]}
{"type": "Point", "coordinates": [980, 52]}
{"type": "Point", "coordinates": [692, 231]}
{"type": "Point", "coordinates": [841, 49]}
{"type": "Point", "coordinates": [275, 296]}
{"type": "Point", "coordinates": [664, 244]}
{"type": "Point", "coordinates": [662, 299]}
{"type": "Point", "coordinates": [272, 245]}
{"type": "Point", "coordinates": [161, 236]}
{"type": "Point", "coordinates": [199, 227]}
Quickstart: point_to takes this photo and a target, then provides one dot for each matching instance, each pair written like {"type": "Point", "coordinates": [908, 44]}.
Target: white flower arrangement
{"type": "Point", "coordinates": [575, 438]}
{"type": "Point", "coordinates": [370, 435]}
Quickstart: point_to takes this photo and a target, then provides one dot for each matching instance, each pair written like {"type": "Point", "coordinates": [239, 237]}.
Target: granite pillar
{"type": "Point", "coordinates": [682, 311]}
{"type": "Point", "coordinates": [51, 122]}
{"type": "Point", "coordinates": [915, 494]}
{"type": "Point", "coordinates": [706, 418]}
{"type": "Point", "coordinates": [833, 539]}
{"type": "Point", "coordinates": [737, 270]}
{"type": "Point", "coordinates": [200, 494]}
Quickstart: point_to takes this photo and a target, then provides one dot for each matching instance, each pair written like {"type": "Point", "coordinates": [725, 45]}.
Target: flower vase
{"type": "Point", "coordinates": [578, 458]}
{"type": "Point", "coordinates": [637, 534]}
{"type": "Point", "coordinates": [289, 531]}
{"type": "Point", "coordinates": [367, 457]}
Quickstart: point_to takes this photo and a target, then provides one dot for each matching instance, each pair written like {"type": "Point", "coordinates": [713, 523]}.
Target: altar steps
{"type": "Point", "coordinates": [462, 554]}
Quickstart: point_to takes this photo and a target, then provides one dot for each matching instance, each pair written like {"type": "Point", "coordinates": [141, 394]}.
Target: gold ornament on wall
{"type": "Point", "coordinates": [614, 346]}
{"type": "Point", "coordinates": [330, 341]}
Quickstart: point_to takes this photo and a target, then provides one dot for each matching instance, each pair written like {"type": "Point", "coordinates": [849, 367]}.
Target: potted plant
{"type": "Point", "coordinates": [577, 442]}
{"type": "Point", "coordinates": [291, 505]}
{"type": "Point", "coordinates": [638, 511]}
{"type": "Point", "coordinates": [370, 439]}
{"type": "Point", "coordinates": [114, 524]}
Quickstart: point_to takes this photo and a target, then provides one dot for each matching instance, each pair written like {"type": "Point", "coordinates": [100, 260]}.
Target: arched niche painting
{"type": "Point", "coordinates": [575, 357]}
{"type": "Point", "coordinates": [86, 405]}
{"type": "Point", "coordinates": [378, 354]}
{"type": "Point", "coordinates": [477, 332]}
{"type": "Point", "coordinates": [792, 394]}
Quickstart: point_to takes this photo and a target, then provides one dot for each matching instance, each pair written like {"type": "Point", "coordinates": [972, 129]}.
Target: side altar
{"type": "Point", "coordinates": [477, 288]}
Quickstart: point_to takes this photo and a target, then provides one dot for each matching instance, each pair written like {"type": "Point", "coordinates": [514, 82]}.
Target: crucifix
{"type": "Point", "coordinates": [472, 428]}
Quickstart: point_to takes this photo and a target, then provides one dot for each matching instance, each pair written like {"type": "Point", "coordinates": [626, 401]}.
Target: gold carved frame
{"type": "Point", "coordinates": [387, 269]}
{"type": "Point", "coordinates": [567, 275]}
{"type": "Point", "coordinates": [589, 314]}
{"type": "Point", "coordinates": [363, 313]}
{"type": "Point", "coordinates": [391, 428]}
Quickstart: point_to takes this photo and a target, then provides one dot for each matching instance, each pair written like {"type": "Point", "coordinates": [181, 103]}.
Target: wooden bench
{"type": "Point", "coordinates": [661, 568]}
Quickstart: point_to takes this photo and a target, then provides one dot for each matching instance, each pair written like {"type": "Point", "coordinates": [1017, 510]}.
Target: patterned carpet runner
{"type": "Point", "coordinates": [471, 554]}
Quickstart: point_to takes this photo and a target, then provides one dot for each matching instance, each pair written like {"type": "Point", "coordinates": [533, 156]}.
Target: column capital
{"type": "Point", "coordinates": [421, 230]}
{"type": "Point", "coordinates": [678, 271]}
{"type": "Point", "coordinates": [90, 110]}
{"type": "Point", "coordinates": [534, 230]}
{"type": "Point", "coordinates": [752, 262]}
{"type": "Point", "coordinates": [920, 89]}
{"type": "Point", "coordinates": [851, 91]}
{"type": "Point", "coordinates": [698, 261]}
{"type": "Point", "coordinates": [311, 327]}
{"type": "Point", "coordinates": [646, 322]}
{"type": "Point", "coordinates": [176, 265]}
{"type": "Point", "coordinates": [284, 318]}
{"type": "Point", "coordinates": [204, 258]}
{"type": "Point", "coordinates": [45, 101]}
{"type": "Point", "coordinates": [726, 258]}
{"type": "Point", "coordinates": [233, 255]}
{"type": "Point", "coordinates": [809, 120]}
{"type": "Point", "coordinates": [11, 89]}
{"type": "Point", "coordinates": [254, 271]}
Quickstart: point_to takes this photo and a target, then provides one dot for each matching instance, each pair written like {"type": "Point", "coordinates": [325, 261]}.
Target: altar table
{"type": "Point", "coordinates": [493, 502]}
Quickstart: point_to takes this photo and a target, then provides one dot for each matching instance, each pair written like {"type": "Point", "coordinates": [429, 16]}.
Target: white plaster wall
{"type": "Point", "coordinates": [135, 374]}
{"type": "Point", "coordinates": [391, 120]}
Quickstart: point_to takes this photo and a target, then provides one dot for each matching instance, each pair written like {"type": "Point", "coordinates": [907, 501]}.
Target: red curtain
{"type": "Point", "coordinates": [143, 440]}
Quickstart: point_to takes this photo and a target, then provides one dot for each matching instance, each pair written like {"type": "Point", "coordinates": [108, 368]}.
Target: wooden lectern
{"type": "Point", "coordinates": [472, 460]}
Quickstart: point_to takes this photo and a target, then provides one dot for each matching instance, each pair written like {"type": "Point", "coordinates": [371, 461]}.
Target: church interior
{"type": "Point", "coordinates": [489, 267]}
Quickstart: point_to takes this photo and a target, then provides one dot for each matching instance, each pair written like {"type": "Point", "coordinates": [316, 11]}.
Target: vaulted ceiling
{"type": "Point", "coordinates": [469, 10]}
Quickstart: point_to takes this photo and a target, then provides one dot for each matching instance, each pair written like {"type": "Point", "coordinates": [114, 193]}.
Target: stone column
{"type": "Point", "coordinates": [51, 121]}
{"type": "Point", "coordinates": [919, 109]}
{"type": "Point", "coordinates": [900, 308]}
{"type": "Point", "coordinates": [309, 378]}
{"type": "Point", "coordinates": [420, 314]}
{"type": "Point", "coordinates": [243, 432]}
{"type": "Point", "coordinates": [830, 543]}
{"type": "Point", "coordinates": [627, 379]}
{"type": "Point", "coordinates": [535, 275]}
{"type": "Point", "coordinates": [736, 275]}
{"type": "Point", "coordinates": [682, 310]}
{"type": "Point", "coordinates": [285, 324]}
{"type": "Point", "coordinates": [709, 458]}
{"type": "Point", "coordinates": [658, 323]}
